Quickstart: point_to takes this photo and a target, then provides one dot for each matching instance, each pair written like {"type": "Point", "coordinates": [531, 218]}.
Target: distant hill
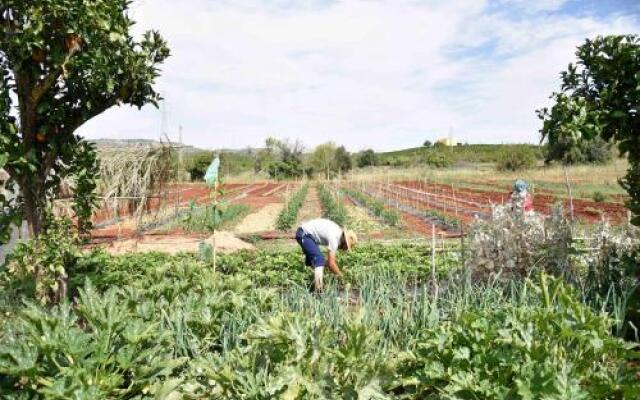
{"type": "Point", "coordinates": [124, 143]}
{"type": "Point", "coordinates": [452, 155]}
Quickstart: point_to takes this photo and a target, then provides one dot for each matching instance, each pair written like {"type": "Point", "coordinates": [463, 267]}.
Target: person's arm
{"type": "Point", "coordinates": [332, 264]}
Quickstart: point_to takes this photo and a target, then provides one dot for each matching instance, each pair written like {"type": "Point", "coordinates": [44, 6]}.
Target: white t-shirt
{"type": "Point", "coordinates": [324, 232]}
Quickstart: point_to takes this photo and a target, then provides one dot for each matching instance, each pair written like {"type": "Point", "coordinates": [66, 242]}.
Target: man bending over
{"type": "Point", "coordinates": [323, 232]}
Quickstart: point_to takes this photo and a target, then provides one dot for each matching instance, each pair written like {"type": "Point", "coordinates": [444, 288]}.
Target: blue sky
{"type": "Point", "coordinates": [382, 74]}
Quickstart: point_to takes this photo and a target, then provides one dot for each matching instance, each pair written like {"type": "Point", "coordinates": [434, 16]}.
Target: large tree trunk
{"type": "Point", "coordinates": [32, 212]}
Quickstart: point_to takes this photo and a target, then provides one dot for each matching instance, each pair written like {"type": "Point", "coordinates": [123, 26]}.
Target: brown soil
{"type": "Point", "coordinates": [262, 220]}
{"type": "Point", "coordinates": [417, 225]}
{"type": "Point", "coordinates": [225, 242]}
{"type": "Point", "coordinates": [310, 206]}
{"type": "Point", "coordinates": [585, 210]}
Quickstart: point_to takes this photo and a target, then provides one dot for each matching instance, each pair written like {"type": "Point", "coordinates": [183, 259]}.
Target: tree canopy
{"type": "Point", "coordinates": [63, 62]}
{"type": "Point", "coordinates": [600, 96]}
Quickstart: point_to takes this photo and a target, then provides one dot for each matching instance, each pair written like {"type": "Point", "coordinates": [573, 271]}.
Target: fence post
{"type": "Point", "coordinates": [433, 259]}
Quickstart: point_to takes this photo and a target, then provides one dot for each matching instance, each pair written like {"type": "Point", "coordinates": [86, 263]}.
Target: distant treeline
{"type": "Point", "coordinates": [287, 160]}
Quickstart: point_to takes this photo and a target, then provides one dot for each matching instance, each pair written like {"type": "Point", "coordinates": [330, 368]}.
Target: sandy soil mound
{"type": "Point", "coordinates": [225, 241]}
{"type": "Point", "coordinates": [261, 220]}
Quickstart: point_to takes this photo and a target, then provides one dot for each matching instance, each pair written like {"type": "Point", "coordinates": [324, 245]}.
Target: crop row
{"type": "Point", "coordinates": [332, 209]}
{"type": "Point", "coordinates": [289, 214]}
{"type": "Point", "coordinates": [450, 221]}
{"type": "Point", "coordinates": [378, 208]}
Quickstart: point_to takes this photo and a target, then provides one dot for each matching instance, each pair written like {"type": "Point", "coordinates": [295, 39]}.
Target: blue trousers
{"type": "Point", "coordinates": [313, 255]}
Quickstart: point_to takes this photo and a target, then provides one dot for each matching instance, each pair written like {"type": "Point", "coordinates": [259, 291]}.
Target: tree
{"type": "Point", "coordinates": [343, 161]}
{"type": "Point", "coordinates": [599, 97]}
{"type": "Point", "coordinates": [427, 143]}
{"type": "Point", "coordinates": [282, 158]}
{"type": "Point", "coordinates": [367, 158]}
{"type": "Point", "coordinates": [62, 63]}
{"type": "Point", "coordinates": [197, 165]}
{"type": "Point", "coordinates": [586, 151]}
{"type": "Point", "coordinates": [323, 158]}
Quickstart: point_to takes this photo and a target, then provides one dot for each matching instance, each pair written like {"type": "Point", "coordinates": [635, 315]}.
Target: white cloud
{"type": "Point", "coordinates": [384, 74]}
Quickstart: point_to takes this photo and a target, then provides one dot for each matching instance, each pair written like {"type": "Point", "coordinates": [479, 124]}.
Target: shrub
{"type": "Point", "coordinates": [599, 197]}
{"type": "Point", "coordinates": [367, 158]}
{"type": "Point", "coordinates": [511, 247]}
{"type": "Point", "coordinates": [43, 264]}
{"type": "Point", "coordinates": [437, 158]}
{"type": "Point", "coordinates": [517, 159]}
{"type": "Point", "coordinates": [568, 151]}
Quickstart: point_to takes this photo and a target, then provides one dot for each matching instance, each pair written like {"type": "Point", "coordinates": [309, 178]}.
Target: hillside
{"type": "Point", "coordinates": [457, 155]}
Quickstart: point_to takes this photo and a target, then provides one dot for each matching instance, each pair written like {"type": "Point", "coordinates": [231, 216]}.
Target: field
{"type": "Point", "coordinates": [156, 314]}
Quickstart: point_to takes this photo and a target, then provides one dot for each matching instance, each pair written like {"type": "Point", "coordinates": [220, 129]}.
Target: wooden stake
{"type": "Point", "coordinates": [433, 259]}
{"type": "Point", "coordinates": [566, 179]}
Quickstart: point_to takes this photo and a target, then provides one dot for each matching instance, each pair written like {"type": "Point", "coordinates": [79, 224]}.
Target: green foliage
{"type": "Point", "coordinates": [517, 160]}
{"type": "Point", "coordinates": [587, 151]}
{"type": "Point", "coordinates": [84, 171]}
{"type": "Point", "coordinates": [62, 64]}
{"type": "Point", "coordinates": [549, 345]}
{"type": "Point", "coordinates": [598, 98]}
{"type": "Point", "coordinates": [231, 162]}
{"type": "Point", "coordinates": [323, 159]}
{"type": "Point", "coordinates": [197, 165]}
{"type": "Point", "coordinates": [367, 158]}
{"type": "Point", "coordinates": [598, 197]}
{"type": "Point", "coordinates": [51, 256]}
{"type": "Point", "coordinates": [427, 143]}
{"type": "Point", "coordinates": [437, 158]}
{"type": "Point", "coordinates": [343, 160]}
{"type": "Point", "coordinates": [289, 214]}
{"type": "Point", "coordinates": [389, 216]}
{"type": "Point", "coordinates": [281, 159]}
{"type": "Point", "coordinates": [159, 326]}
{"type": "Point", "coordinates": [445, 156]}
{"type": "Point", "coordinates": [331, 208]}
{"type": "Point", "coordinates": [444, 218]}
{"type": "Point", "coordinates": [208, 218]}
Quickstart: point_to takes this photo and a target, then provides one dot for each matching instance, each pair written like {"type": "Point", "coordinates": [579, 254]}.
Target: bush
{"type": "Point", "coordinates": [51, 257]}
{"type": "Point", "coordinates": [437, 158]}
{"type": "Point", "coordinates": [599, 197]}
{"type": "Point", "coordinates": [567, 151]}
{"type": "Point", "coordinates": [517, 159]}
{"type": "Point", "coordinates": [511, 247]}
{"type": "Point", "coordinates": [367, 158]}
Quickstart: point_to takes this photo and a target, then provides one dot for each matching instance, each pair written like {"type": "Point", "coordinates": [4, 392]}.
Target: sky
{"type": "Point", "coordinates": [381, 74]}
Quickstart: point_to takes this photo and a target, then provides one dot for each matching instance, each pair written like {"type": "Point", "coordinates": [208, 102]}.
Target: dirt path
{"type": "Point", "coordinates": [260, 221]}
{"type": "Point", "coordinates": [310, 207]}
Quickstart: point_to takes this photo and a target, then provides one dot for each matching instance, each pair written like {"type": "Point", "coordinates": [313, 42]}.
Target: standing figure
{"type": "Point", "coordinates": [310, 235]}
